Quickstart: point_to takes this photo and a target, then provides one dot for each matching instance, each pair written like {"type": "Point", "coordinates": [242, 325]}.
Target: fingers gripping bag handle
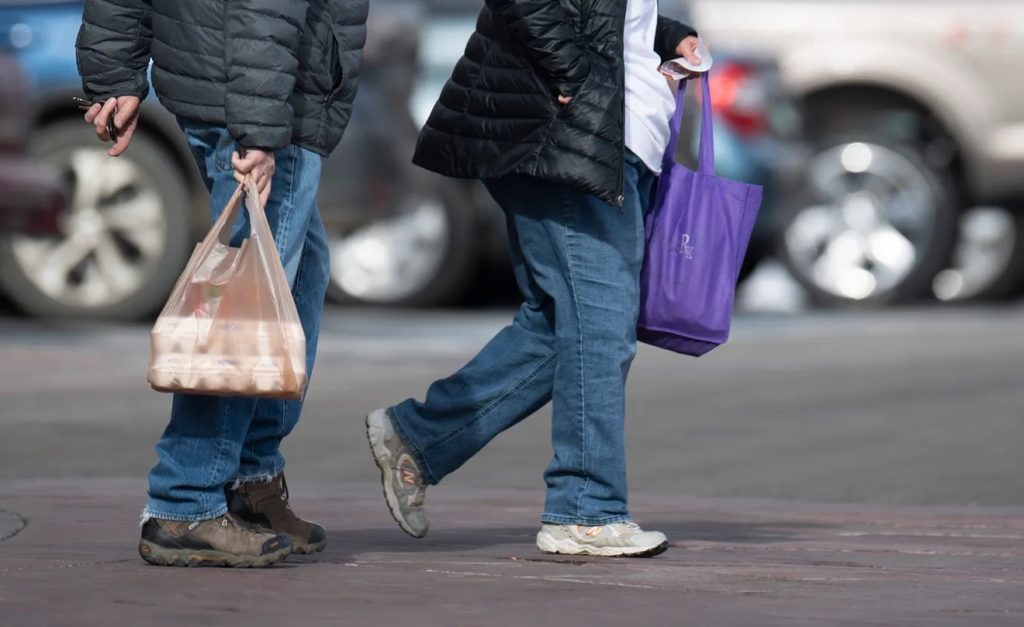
{"type": "Point", "coordinates": [230, 326]}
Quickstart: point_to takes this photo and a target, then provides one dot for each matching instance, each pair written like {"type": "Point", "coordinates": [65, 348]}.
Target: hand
{"type": "Point", "coordinates": [125, 110]}
{"type": "Point", "coordinates": [564, 100]}
{"type": "Point", "coordinates": [258, 165]}
{"type": "Point", "coordinates": [687, 49]}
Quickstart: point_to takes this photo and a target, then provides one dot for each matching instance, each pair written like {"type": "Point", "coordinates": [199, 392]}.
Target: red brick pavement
{"type": "Point", "coordinates": [733, 562]}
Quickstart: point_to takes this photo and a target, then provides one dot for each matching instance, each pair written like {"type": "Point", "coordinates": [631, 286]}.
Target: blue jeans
{"type": "Point", "coordinates": [213, 441]}
{"type": "Point", "coordinates": [577, 262]}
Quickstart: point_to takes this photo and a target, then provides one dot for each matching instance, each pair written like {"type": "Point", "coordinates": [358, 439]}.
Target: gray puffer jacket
{"type": "Point", "coordinates": [273, 71]}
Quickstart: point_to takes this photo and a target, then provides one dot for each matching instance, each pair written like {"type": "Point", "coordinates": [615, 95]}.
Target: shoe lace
{"type": "Point", "coordinates": [629, 526]}
{"type": "Point", "coordinates": [418, 496]}
{"type": "Point", "coordinates": [230, 519]}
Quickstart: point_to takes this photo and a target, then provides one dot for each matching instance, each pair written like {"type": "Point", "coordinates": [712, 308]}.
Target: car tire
{"type": "Point", "coordinates": [423, 257]}
{"type": "Point", "coordinates": [756, 253]}
{"type": "Point", "coordinates": [937, 206]}
{"type": "Point", "coordinates": [148, 271]}
{"type": "Point", "coordinates": [992, 237]}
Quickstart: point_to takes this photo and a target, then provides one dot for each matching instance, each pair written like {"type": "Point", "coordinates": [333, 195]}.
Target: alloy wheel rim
{"type": "Point", "coordinates": [113, 236]}
{"type": "Point", "coordinates": [872, 220]}
{"type": "Point", "coordinates": [392, 259]}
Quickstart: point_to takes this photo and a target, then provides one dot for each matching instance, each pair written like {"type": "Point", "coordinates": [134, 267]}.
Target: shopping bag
{"type": "Point", "coordinates": [696, 234]}
{"type": "Point", "coordinates": [230, 327]}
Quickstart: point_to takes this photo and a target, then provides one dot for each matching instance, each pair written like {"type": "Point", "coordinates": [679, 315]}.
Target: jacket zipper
{"type": "Point", "coordinates": [620, 198]}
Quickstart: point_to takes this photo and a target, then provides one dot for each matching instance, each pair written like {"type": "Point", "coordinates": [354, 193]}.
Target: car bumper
{"type": "Point", "coordinates": [32, 199]}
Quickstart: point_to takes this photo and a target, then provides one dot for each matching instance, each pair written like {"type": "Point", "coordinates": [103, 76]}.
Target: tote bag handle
{"type": "Point", "coordinates": [706, 152]}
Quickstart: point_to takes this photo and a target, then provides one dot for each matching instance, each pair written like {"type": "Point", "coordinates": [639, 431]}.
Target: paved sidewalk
{"type": "Point", "coordinates": [67, 557]}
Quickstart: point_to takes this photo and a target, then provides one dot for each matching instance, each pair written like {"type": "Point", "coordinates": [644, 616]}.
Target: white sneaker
{"type": "Point", "coordinates": [624, 539]}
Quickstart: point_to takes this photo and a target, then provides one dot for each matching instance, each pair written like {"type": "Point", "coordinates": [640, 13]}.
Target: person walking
{"type": "Point", "coordinates": [561, 110]}
{"type": "Point", "coordinates": [264, 90]}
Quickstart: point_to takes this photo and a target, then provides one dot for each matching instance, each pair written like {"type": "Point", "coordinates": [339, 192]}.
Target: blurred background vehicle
{"type": "Point", "coordinates": [399, 235]}
{"type": "Point", "coordinates": [916, 121]}
{"type": "Point", "coordinates": [132, 221]}
{"type": "Point", "coordinates": [404, 236]}
{"type": "Point", "coordinates": [888, 145]}
{"type": "Point", "coordinates": [31, 195]}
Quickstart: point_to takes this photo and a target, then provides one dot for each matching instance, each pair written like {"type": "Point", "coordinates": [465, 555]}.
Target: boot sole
{"type": "Point", "coordinates": [568, 547]}
{"type": "Point", "coordinates": [308, 549]}
{"type": "Point", "coordinates": [375, 437]}
{"type": "Point", "coordinates": [162, 556]}
{"type": "Point", "coordinates": [298, 547]}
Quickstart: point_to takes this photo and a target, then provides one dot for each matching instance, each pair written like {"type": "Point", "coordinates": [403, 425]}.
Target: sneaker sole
{"type": "Point", "coordinates": [161, 556]}
{"type": "Point", "coordinates": [570, 547]}
{"type": "Point", "coordinates": [381, 457]}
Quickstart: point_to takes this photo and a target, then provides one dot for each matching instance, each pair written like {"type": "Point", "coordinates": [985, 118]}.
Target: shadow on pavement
{"type": "Point", "coordinates": [735, 532]}
{"type": "Point", "coordinates": [344, 544]}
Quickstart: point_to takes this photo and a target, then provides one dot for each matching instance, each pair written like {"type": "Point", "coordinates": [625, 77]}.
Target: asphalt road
{"type": "Point", "coordinates": [912, 407]}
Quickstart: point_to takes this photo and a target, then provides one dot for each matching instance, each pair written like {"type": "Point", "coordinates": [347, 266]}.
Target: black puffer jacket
{"type": "Point", "coordinates": [273, 71]}
{"type": "Point", "coordinates": [498, 114]}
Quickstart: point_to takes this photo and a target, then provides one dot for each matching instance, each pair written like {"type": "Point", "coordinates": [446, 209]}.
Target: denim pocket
{"type": "Point", "coordinates": [223, 151]}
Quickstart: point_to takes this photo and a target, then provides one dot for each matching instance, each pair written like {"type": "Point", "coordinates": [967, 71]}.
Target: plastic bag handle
{"type": "Point", "coordinates": [263, 239]}
{"type": "Point", "coordinates": [260, 236]}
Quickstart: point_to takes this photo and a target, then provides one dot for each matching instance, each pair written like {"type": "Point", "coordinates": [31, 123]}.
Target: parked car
{"type": "Point", "coordinates": [31, 195]}
{"type": "Point", "coordinates": [399, 235]}
{"type": "Point", "coordinates": [414, 237]}
{"type": "Point", "coordinates": [916, 116]}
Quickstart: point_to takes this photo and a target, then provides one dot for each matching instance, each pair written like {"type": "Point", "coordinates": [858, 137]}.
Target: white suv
{"type": "Point", "coordinates": [916, 114]}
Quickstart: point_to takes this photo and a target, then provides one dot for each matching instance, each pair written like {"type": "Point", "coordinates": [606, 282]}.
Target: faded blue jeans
{"type": "Point", "coordinates": [213, 441]}
{"type": "Point", "coordinates": [577, 262]}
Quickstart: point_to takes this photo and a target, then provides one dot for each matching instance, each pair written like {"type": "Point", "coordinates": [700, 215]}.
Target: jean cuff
{"type": "Point", "coordinates": [152, 513]}
{"type": "Point", "coordinates": [414, 448]}
{"type": "Point", "coordinates": [558, 519]}
{"type": "Point", "coordinates": [258, 477]}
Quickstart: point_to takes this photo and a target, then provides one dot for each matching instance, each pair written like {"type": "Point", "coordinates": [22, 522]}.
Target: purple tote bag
{"type": "Point", "coordinates": [697, 234]}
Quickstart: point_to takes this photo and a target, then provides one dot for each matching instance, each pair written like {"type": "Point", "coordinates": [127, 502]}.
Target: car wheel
{"type": "Point", "coordinates": [124, 240]}
{"type": "Point", "coordinates": [422, 255]}
{"type": "Point", "coordinates": [988, 261]}
{"type": "Point", "coordinates": [756, 253]}
{"type": "Point", "coordinates": [875, 226]}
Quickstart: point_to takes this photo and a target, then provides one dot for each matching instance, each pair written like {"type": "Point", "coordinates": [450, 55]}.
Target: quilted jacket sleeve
{"type": "Point", "coordinates": [542, 26]}
{"type": "Point", "coordinates": [262, 59]}
{"type": "Point", "coordinates": [668, 35]}
{"type": "Point", "coordinates": [113, 48]}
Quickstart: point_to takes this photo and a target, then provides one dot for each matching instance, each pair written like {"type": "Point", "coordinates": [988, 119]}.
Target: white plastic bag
{"type": "Point", "coordinates": [230, 327]}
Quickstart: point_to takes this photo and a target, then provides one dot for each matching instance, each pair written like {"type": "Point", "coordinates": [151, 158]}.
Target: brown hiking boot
{"type": "Point", "coordinates": [223, 541]}
{"type": "Point", "coordinates": [265, 503]}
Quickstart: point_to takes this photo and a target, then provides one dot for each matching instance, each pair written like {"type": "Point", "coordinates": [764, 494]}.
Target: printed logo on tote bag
{"type": "Point", "coordinates": [684, 247]}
